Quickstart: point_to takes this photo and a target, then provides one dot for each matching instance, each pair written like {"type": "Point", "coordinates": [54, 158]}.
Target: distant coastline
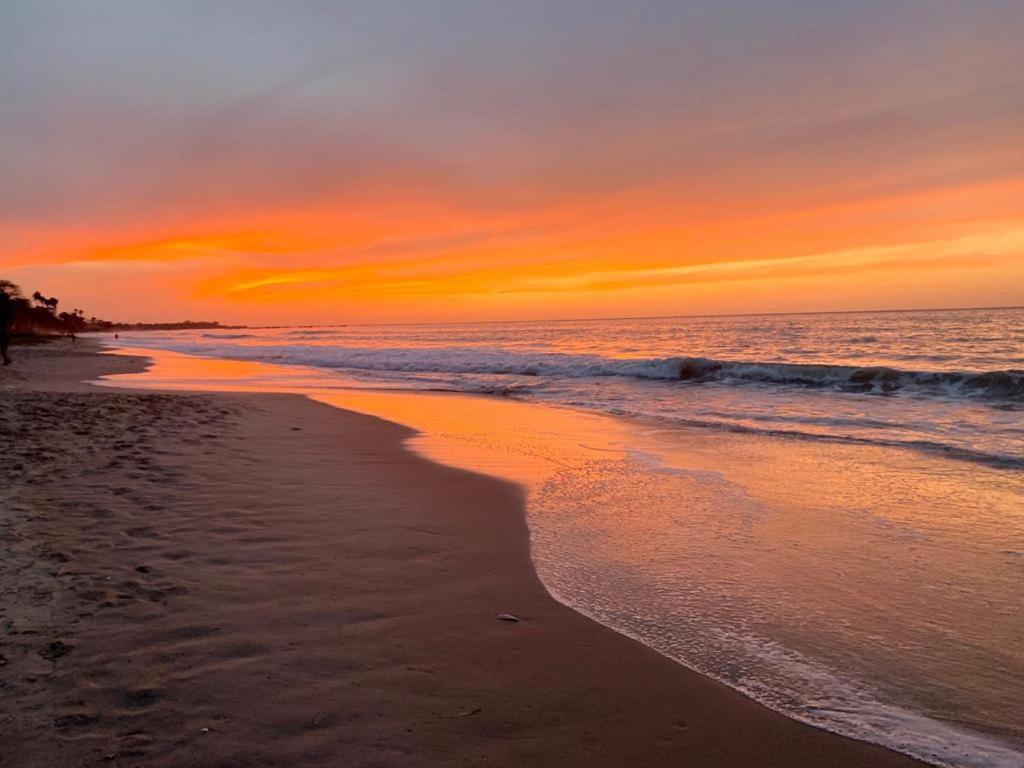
{"type": "Point", "coordinates": [34, 319]}
{"type": "Point", "coordinates": [184, 325]}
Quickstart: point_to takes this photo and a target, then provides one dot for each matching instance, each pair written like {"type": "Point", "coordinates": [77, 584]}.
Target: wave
{"type": "Point", "coordinates": [999, 385]}
{"type": "Point", "coordinates": [228, 336]}
{"type": "Point", "coordinates": [1006, 386]}
{"type": "Point", "coordinates": [312, 332]}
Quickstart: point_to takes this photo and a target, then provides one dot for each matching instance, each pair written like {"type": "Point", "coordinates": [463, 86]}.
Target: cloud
{"type": "Point", "coordinates": [456, 146]}
{"type": "Point", "coordinates": [455, 277]}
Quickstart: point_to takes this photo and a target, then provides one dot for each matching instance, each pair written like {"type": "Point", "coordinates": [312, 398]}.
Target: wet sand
{"type": "Point", "coordinates": [263, 580]}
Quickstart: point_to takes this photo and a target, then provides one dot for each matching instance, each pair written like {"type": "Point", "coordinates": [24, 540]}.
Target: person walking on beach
{"type": "Point", "coordinates": [6, 310]}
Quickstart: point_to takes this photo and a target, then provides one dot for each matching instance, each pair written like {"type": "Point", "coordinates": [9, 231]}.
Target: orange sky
{"type": "Point", "coordinates": [380, 165]}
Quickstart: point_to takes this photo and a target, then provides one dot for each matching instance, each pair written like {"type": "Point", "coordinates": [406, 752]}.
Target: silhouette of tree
{"type": "Point", "coordinates": [38, 315]}
{"type": "Point", "coordinates": [49, 304]}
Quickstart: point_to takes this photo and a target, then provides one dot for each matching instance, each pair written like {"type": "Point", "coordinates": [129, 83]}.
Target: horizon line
{"type": "Point", "coordinates": [640, 317]}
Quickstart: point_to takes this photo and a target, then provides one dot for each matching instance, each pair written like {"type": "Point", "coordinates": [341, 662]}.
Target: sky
{"type": "Point", "coordinates": [332, 162]}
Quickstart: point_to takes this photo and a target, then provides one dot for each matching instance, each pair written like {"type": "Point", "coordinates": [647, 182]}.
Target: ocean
{"type": "Point", "coordinates": [824, 511]}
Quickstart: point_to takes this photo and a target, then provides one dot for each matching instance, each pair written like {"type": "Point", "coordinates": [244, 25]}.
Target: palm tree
{"type": "Point", "coordinates": [44, 303]}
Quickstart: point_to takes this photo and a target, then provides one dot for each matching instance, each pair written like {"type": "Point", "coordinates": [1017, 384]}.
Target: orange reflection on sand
{"type": "Point", "coordinates": [174, 370]}
{"type": "Point", "coordinates": [521, 443]}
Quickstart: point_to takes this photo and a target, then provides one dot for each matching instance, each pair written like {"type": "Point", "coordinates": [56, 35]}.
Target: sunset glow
{"type": "Point", "coordinates": [337, 163]}
{"type": "Point", "coordinates": [528, 383]}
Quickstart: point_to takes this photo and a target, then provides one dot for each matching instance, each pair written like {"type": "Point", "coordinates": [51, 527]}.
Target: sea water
{"type": "Point", "coordinates": [824, 511]}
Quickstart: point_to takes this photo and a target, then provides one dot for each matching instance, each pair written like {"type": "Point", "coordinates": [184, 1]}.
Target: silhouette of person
{"type": "Point", "coordinates": [6, 310]}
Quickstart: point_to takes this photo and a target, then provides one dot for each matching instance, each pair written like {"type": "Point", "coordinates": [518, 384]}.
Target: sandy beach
{"type": "Point", "coordinates": [264, 580]}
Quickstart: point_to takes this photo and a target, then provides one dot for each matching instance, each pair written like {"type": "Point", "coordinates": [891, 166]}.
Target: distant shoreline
{"type": "Point", "coordinates": [166, 326]}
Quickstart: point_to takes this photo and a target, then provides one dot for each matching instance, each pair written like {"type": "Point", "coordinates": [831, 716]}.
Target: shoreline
{"type": "Point", "coordinates": [366, 641]}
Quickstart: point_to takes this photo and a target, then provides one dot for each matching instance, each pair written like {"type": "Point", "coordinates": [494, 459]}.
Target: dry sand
{"type": "Point", "coordinates": [261, 580]}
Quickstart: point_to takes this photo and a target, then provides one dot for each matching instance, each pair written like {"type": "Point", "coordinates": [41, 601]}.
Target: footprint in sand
{"type": "Point", "coordinates": [75, 720]}
{"type": "Point", "coordinates": [55, 650]}
{"type": "Point", "coordinates": [141, 698]}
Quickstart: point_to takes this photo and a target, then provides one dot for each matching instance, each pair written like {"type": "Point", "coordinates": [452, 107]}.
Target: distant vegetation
{"type": "Point", "coordinates": [184, 325]}
{"type": "Point", "coordinates": [38, 315]}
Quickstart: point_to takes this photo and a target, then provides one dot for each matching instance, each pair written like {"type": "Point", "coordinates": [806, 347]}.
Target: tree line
{"type": "Point", "coordinates": [38, 314]}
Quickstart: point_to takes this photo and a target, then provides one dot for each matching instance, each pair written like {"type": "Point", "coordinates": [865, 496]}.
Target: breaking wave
{"type": "Point", "coordinates": [1001, 386]}
{"type": "Point", "coordinates": [997, 385]}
